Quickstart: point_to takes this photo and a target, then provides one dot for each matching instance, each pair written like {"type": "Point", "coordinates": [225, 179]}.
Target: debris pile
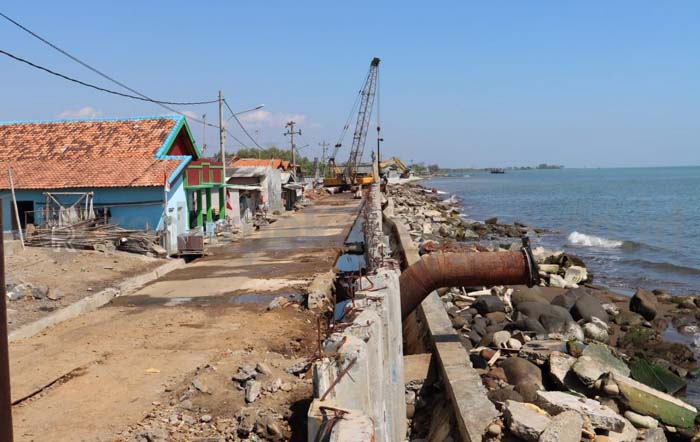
{"type": "Point", "coordinates": [95, 235]}
{"type": "Point", "coordinates": [253, 404]}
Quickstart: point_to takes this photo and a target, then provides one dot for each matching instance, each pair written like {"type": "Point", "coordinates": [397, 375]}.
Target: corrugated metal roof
{"type": "Point", "coordinates": [247, 171]}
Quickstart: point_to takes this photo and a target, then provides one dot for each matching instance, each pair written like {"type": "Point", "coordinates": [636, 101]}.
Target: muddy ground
{"type": "Point", "coordinates": [69, 275]}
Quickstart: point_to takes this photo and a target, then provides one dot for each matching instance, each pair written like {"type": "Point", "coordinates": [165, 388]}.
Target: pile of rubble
{"type": "Point", "coordinates": [258, 418]}
{"type": "Point", "coordinates": [566, 361]}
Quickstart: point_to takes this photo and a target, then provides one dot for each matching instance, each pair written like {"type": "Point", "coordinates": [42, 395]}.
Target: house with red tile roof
{"type": "Point", "coordinates": [275, 163]}
{"type": "Point", "coordinates": [127, 164]}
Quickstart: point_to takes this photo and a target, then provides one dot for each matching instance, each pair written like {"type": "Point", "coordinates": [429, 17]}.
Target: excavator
{"type": "Point", "coordinates": [353, 173]}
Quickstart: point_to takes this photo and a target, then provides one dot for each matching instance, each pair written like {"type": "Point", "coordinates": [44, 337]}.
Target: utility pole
{"type": "Point", "coordinates": [291, 133]}
{"type": "Point", "coordinates": [222, 133]}
{"type": "Point", "coordinates": [324, 148]}
{"type": "Point", "coordinates": [204, 133]}
{"type": "Point", "coordinates": [5, 396]}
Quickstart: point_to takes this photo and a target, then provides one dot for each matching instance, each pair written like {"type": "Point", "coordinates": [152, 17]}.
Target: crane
{"type": "Point", "coordinates": [350, 175]}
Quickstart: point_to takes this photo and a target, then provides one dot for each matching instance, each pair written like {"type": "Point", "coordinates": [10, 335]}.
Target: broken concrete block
{"type": "Point", "coordinates": [557, 281]}
{"type": "Point", "coordinates": [628, 434]}
{"type": "Point", "coordinates": [664, 407]}
{"type": "Point", "coordinates": [576, 274]}
{"type": "Point", "coordinates": [538, 351]}
{"type": "Point", "coordinates": [549, 268]}
{"type": "Point", "coordinates": [564, 427]}
{"type": "Point", "coordinates": [600, 416]}
{"type": "Point", "coordinates": [596, 360]}
{"type": "Point", "coordinates": [526, 421]}
{"type": "Point", "coordinates": [278, 302]}
{"type": "Point", "coordinates": [560, 366]}
{"type": "Point", "coordinates": [655, 435]}
{"type": "Point", "coordinates": [253, 389]}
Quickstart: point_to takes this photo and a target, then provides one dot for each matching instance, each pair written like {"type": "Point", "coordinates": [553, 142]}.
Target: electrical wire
{"type": "Point", "coordinates": [236, 139]}
{"type": "Point", "coordinates": [139, 96]}
{"type": "Point", "coordinates": [101, 89]}
{"type": "Point", "coordinates": [233, 114]}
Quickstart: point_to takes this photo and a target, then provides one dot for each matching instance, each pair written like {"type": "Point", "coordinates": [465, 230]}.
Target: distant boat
{"type": "Point", "coordinates": [496, 170]}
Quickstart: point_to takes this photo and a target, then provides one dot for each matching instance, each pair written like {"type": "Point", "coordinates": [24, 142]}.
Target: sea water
{"type": "Point", "coordinates": [634, 227]}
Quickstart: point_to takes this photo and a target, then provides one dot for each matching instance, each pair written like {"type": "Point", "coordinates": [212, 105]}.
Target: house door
{"type": "Point", "coordinates": [26, 214]}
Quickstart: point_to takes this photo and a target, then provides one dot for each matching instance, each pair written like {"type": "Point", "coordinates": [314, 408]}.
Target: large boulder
{"type": "Point", "coordinates": [535, 310]}
{"type": "Point", "coordinates": [502, 395]}
{"type": "Point", "coordinates": [523, 293]}
{"type": "Point", "coordinates": [489, 304]}
{"type": "Point", "coordinates": [596, 331]}
{"type": "Point", "coordinates": [587, 307]}
{"type": "Point", "coordinates": [568, 298]}
{"type": "Point", "coordinates": [524, 375]}
{"type": "Point", "coordinates": [644, 303]}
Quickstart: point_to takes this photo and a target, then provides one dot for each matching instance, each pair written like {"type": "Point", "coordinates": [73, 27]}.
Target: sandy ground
{"type": "Point", "coordinates": [95, 377]}
{"type": "Point", "coordinates": [69, 275]}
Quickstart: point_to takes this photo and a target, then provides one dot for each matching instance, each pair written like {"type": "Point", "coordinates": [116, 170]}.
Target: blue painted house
{"type": "Point", "coordinates": [120, 169]}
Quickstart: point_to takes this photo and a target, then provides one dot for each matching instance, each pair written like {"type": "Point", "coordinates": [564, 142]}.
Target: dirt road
{"type": "Point", "coordinates": [91, 378]}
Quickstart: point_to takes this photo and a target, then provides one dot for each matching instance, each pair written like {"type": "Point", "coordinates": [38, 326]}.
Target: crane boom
{"type": "Point", "coordinates": [363, 118]}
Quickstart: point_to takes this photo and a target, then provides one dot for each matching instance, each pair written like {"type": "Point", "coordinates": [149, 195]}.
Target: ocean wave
{"type": "Point", "coordinates": [583, 240]}
{"type": "Point", "coordinates": [665, 267]}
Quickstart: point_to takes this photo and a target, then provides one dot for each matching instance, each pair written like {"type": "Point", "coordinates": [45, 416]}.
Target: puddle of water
{"type": "Point", "coordinates": [340, 310]}
{"type": "Point", "coordinates": [247, 298]}
{"type": "Point", "coordinates": [356, 236]}
{"type": "Point", "coordinates": [263, 298]}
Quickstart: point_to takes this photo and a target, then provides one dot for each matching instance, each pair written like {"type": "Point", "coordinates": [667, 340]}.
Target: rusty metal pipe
{"type": "Point", "coordinates": [438, 270]}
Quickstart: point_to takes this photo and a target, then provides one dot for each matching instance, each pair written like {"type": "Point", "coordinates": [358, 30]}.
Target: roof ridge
{"type": "Point", "coordinates": [95, 120]}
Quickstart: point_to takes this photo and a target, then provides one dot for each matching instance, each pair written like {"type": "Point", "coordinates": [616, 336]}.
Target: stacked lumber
{"type": "Point", "coordinates": [95, 235]}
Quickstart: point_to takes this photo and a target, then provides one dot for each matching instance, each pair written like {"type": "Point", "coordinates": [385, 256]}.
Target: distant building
{"type": "Point", "coordinates": [126, 166]}
{"type": "Point", "coordinates": [254, 184]}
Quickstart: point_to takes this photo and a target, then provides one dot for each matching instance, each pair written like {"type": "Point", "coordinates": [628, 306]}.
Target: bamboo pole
{"type": "Point", "coordinates": [14, 201]}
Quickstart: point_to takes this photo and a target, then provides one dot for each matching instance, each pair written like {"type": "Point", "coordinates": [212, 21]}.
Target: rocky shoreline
{"type": "Point", "coordinates": [566, 360]}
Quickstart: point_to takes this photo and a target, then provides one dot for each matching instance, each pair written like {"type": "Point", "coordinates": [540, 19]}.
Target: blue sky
{"type": "Point", "coordinates": [585, 84]}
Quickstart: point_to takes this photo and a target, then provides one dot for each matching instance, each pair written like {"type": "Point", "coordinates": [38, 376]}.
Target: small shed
{"type": "Point", "coordinates": [266, 190]}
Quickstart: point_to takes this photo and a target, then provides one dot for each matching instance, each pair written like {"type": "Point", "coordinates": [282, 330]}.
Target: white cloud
{"type": "Point", "coordinates": [85, 112]}
{"type": "Point", "coordinates": [270, 119]}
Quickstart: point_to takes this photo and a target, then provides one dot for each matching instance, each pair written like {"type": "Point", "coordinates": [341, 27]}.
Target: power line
{"type": "Point", "coordinates": [101, 89]}
{"type": "Point", "coordinates": [139, 96]}
{"type": "Point", "coordinates": [90, 85]}
{"type": "Point", "coordinates": [236, 139]}
{"type": "Point", "coordinates": [241, 125]}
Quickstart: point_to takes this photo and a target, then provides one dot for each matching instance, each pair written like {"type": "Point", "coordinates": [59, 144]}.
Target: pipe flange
{"type": "Point", "coordinates": [532, 266]}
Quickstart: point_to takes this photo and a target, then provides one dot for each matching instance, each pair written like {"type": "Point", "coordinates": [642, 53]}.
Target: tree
{"type": "Point", "coordinates": [433, 169]}
{"type": "Point", "coordinates": [307, 165]}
